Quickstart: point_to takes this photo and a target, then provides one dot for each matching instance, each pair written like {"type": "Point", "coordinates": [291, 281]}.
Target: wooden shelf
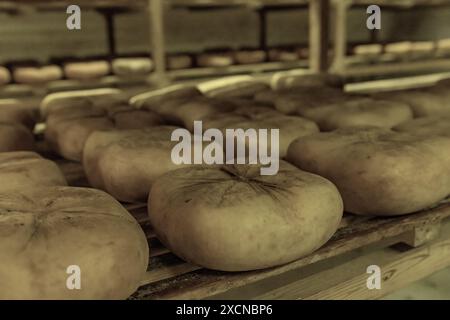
{"type": "Point", "coordinates": [397, 68]}
{"type": "Point", "coordinates": [237, 3]}
{"type": "Point", "coordinates": [423, 237]}
{"type": "Point", "coordinates": [399, 3]}
{"type": "Point", "coordinates": [236, 69]}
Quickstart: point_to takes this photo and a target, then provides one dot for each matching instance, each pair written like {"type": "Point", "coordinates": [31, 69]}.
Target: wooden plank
{"type": "Point", "coordinates": [157, 38]}
{"type": "Point", "coordinates": [256, 68]}
{"type": "Point", "coordinates": [340, 35]}
{"type": "Point", "coordinates": [348, 280]}
{"type": "Point", "coordinates": [398, 68]}
{"type": "Point", "coordinates": [423, 234]}
{"type": "Point", "coordinates": [205, 283]}
{"type": "Point", "coordinates": [318, 35]}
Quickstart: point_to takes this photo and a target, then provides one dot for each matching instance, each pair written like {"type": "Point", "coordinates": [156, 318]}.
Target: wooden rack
{"type": "Point", "coordinates": [348, 67]}
{"type": "Point", "coordinates": [318, 10]}
{"type": "Point", "coordinates": [406, 248]}
{"type": "Point", "coordinates": [319, 22]}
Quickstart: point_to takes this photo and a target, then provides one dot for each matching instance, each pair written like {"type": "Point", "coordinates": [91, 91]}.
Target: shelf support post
{"type": "Point", "coordinates": [318, 35]}
{"type": "Point", "coordinates": [340, 9]}
{"type": "Point", "coordinates": [157, 40]}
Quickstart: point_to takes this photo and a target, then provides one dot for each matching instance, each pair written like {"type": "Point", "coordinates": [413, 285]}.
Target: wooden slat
{"type": "Point", "coordinates": [348, 280]}
{"type": "Point", "coordinates": [205, 283]}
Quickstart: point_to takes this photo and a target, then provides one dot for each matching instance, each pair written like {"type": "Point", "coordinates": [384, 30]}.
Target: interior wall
{"type": "Point", "coordinates": [44, 35]}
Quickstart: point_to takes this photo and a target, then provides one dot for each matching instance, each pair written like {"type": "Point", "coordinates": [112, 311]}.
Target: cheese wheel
{"type": "Point", "coordinates": [368, 50]}
{"type": "Point", "coordinates": [71, 135]}
{"type": "Point", "coordinates": [283, 55]}
{"type": "Point", "coordinates": [423, 102]}
{"type": "Point", "coordinates": [292, 79]}
{"type": "Point", "coordinates": [153, 99]}
{"type": "Point", "coordinates": [37, 75]}
{"type": "Point", "coordinates": [368, 112]}
{"type": "Point", "coordinates": [443, 47]}
{"type": "Point", "coordinates": [185, 112]}
{"type": "Point", "coordinates": [398, 48]}
{"type": "Point", "coordinates": [104, 97]}
{"type": "Point", "coordinates": [250, 56]}
{"type": "Point", "coordinates": [233, 87]}
{"type": "Point", "coordinates": [231, 218]}
{"type": "Point", "coordinates": [126, 163]}
{"type": "Point", "coordinates": [17, 112]}
{"type": "Point", "coordinates": [180, 61]}
{"type": "Point", "coordinates": [135, 119]}
{"type": "Point", "coordinates": [132, 66]}
{"type": "Point", "coordinates": [15, 137]}
{"type": "Point", "coordinates": [5, 76]}
{"type": "Point", "coordinates": [67, 129]}
{"type": "Point", "coordinates": [378, 171]}
{"type": "Point", "coordinates": [22, 169]}
{"type": "Point", "coordinates": [290, 128]}
{"type": "Point", "coordinates": [86, 70]}
{"type": "Point", "coordinates": [51, 237]}
{"type": "Point", "coordinates": [295, 100]}
{"type": "Point", "coordinates": [420, 49]}
{"type": "Point", "coordinates": [219, 59]}
{"type": "Point", "coordinates": [428, 126]}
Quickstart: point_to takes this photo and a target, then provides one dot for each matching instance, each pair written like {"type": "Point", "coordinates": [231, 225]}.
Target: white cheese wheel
{"type": "Point", "coordinates": [23, 169]}
{"type": "Point", "coordinates": [378, 171]}
{"type": "Point", "coordinates": [86, 70]}
{"type": "Point", "coordinates": [233, 219]}
{"type": "Point", "coordinates": [51, 237]}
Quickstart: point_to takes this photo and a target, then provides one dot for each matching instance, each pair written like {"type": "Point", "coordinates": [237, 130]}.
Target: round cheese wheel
{"type": "Point", "coordinates": [428, 126]}
{"type": "Point", "coordinates": [368, 50]}
{"type": "Point", "coordinates": [283, 55]}
{"type": "Point", "coordinates": [15, 137]}
{"type": "Point", "coordinates": [52, 236]}
{"type": "Point", "coordinates": [16, 112]}
{"type": "Point", "coordinates": [219, 59]}
{"type": "Point", "coordinates": [187, 111]}
{"type": "Point", "coordinates": [378, 171]}
{"type": "Point", "coordinates": [368, 112]}
{"type": "Point", "coordinates": [36, 75]}
{"type": "Point", "coordinates": [423, 102]}
{"type": "Point", "coordinates": [250, 56]}
{"type": "Point", "coordinates": [233, 219]}
{"type": "Point", "coordinates": [290, 128]}
{"type": "Point", "coordinates": [243, 89]}
{"type": "Point", "coordinates": [23, 169]}
{"type": "Point", "coordinates": [67, 129]}
{"type": "Point", "coordinates": [290, 80]}
{"type": "Point", "coordinates": [135, 119]}
{"type": "Point", "coordinates": [153, 99]}
{"type": "Point", "coordinates": [398, 48]}
{"type": "Point", "coordinates": [5, 76]}
{"type": "Point", "coordinates": [71, 135]}
{"type": "Point", "coordinates": [86, 70]}
{"type": "Point", "coordinates": [180, 61]}
{"type": "Point", "coordinates": [126, 163]}
{"type": "Point", "coordinates": [96, 97]}
{"type": "Point", "coordinates": [293, 101]}
{"type": "Point", "coordinates": [132, 66]}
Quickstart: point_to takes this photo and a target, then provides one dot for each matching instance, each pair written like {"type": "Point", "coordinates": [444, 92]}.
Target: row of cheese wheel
{"type": "Point", "coordinates": [225, 217]}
